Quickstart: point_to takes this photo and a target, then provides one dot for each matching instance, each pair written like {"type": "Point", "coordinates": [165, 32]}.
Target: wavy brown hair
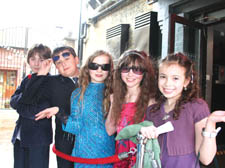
{"type": "Point", "coordinates": [85, 79]}
{"type": "Point", "coordinates": [192, 90]}
{"type": "Point", "coordinates": [147, 85]}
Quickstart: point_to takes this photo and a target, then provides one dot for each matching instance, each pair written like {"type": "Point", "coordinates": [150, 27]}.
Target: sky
{"type": "Point", "coordinates": [46, 17]}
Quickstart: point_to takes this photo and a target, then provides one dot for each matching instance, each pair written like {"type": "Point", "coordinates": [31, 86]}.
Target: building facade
{"type": "Point", "coordinates": [195, 27]}
{"type": "Point", "coordinates": [12, 62]}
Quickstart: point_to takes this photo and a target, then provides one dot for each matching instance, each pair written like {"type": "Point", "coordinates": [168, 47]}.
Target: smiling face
{"type": "Point", "coordinates": [171, 80]}
{"type": "Point", "coordinates": [131, 79]}
{"type": "Point", "coordinates": [66, 63]}
{"type": "Point", "coordinates": [99, 75]}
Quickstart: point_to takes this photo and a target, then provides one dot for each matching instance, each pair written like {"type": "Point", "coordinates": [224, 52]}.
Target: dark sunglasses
{"type": "Point", "coordinates": [64, 55]}
{"type": "Point", "coordinates": [135, 70]}
{"type": "Point", "coordinates": [95, 66]}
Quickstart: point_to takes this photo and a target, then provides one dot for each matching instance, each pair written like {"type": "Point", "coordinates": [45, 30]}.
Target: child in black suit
{"type": "Point", "coordinates": [56, 90]}
{"type": "Point", "coordinates": [31, 138]}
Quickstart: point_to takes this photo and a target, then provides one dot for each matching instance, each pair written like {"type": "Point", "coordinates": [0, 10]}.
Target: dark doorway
{"type": "Point", "coordinates": [207, 45]}
{"type": "Point", "coordinates": [189, 37]}
{"type": "Point", "coordinates": [218, 77]}
{"type": "Point", "coordinates": [218, 83]}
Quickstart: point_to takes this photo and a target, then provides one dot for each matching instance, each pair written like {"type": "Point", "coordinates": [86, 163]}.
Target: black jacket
{"type": "Point", "coordinates": [56, 90]}
{"type": "Point", "coordinates": [31, 132]}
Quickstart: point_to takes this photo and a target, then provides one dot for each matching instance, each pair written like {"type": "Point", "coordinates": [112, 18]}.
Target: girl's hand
{"type": "Point", "coordinates": [149, 132]}
{"type": "Point", "coordinates": [214, 117]}
{"type": "Point", "coordinates": [45, 67]}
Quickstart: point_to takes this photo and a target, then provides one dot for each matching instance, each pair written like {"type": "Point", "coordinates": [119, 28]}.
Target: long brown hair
{"type": "Point", "coordinates": [85, 79]}
{"type": "Point", "coordinates": [147, 85]}
{"type": "Point", "coordinates": [190, 93]}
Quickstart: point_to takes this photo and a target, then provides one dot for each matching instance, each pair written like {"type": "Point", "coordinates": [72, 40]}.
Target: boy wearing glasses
{"type": "Point", "coordinates": [57, 91]}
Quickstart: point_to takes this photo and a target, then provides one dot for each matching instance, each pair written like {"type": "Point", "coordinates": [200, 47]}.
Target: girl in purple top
{"type": "Point", "coordinates": [178, 101]}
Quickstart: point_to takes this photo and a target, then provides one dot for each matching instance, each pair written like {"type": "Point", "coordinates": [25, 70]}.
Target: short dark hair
{"type": "Point", "coordinates": [42, 50]}
{"type": "Point", "coordinates": [60, 49]}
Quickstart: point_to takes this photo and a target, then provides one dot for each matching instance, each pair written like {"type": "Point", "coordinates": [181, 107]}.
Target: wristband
{"type": "Point", "coordinates": [211, 134]}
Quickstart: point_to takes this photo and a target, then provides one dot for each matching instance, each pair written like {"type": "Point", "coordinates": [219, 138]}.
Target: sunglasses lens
{"type": "Point", "coordinates": [137, 71]}
{"type": "Point", "coordinates": [66, 54]}
{"type": "Point", "coordinates": [93, 66]}
{"type": "Point", "coordinates": [105, 67]}
{"type": "Point", "coordinates": [55, 58]}
{"type": "Point", "coordinates": [125, 69]}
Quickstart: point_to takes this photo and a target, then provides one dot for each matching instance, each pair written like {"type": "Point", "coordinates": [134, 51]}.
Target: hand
{"type": "Point", "coordinates": [45, 67]}
{"type": "Point", "coordinates": [47, 113]}
{"type": "Point", "coordinates": [215, 117]}
{"type": "Point", "coordinates": [149, 132]}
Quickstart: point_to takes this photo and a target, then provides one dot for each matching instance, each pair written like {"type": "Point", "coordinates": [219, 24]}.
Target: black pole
{"type": "Point", "coordinates": [80, 41]}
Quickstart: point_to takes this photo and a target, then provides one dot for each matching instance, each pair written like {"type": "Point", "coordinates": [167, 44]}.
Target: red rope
{"type": "Point", "coordinates": [105, 160]}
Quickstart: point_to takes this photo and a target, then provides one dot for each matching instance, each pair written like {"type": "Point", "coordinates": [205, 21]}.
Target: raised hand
{"type": "Point", "coordinates": [215, 117]}
{"type": "Point", "coordinates": [45, 67]}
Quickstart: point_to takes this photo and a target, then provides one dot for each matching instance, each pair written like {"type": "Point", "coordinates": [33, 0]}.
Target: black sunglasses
{"type": "Point", "coordinates": [136, 70]}
{"type": "Point", "coordinates": [64, 55]}
{"type": "Point", "coordinates": [95, 66]}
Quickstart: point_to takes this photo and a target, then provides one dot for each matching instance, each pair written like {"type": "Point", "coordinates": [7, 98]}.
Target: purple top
{"type": "Point", "coordinates": [179, 161]}
{"type": "Point", "coordinates": [181, 141]}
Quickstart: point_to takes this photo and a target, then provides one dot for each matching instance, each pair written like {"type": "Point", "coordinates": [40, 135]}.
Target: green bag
{"type": "Point", "coordinates": [152, 148]}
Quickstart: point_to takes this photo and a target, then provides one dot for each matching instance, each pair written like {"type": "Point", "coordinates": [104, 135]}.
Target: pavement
{"type": "Point", "coordinates": [7, 125]}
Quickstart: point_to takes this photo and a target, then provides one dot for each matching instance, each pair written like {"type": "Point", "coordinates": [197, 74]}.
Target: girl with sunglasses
{"type": "Point", "coordinates": [89, 106]}
{"type": "Point", "coordinates": [133, 92]}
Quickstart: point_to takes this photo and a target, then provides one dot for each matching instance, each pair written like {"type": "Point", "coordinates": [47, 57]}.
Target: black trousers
{"type": "Point", "coordinates": [65, 147]}
{"type": "Point", "coordinates": [64, 142]}
{"type": "Point", "coordinates": [31, 157]}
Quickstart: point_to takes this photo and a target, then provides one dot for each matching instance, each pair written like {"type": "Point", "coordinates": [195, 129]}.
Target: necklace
{"type": "Point", "coordinates": [166, 116]}
{"type": "Point", "coordinates": [167, 109]}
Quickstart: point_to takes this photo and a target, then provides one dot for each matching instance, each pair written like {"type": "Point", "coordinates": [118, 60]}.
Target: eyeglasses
{"type": "Point", "coordinates": [95, 66]}
{"type": "Point", "coordinates": [64, 55]}
{"type": "Point", "coordinates": [135, 70]}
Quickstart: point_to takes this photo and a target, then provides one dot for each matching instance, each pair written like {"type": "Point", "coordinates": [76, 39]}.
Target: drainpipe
{"type": "Point", "coordinates": [83, 27]}
{"type": "Point", "coordinates": [82, 34]}
{"type": "Point", "coordinates": [84, 30]}
{"type": "Point", "coordinates": [106, 11]}
{"type": "Point", "coordinates": [80, 42]}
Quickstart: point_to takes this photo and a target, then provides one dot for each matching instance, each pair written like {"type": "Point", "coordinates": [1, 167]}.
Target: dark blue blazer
{"type": "Point", "coordinates": [31, 132]}
{"type": "Point", "coordinates": [57, 91]}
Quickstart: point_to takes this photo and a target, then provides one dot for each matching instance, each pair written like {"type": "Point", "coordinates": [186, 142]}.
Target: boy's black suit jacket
{"type": "Point", "coordinates": [30, 132]}
{"type": "Point", "coordinates": [57, 91]}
